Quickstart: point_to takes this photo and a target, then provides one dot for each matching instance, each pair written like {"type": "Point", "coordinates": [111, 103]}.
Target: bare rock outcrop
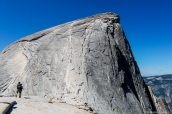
{"type": "Point", "coordinates": [159, 103]}
{"type": "Point", "coordinates": [87, 63]}
{"type": "Point", "coordinates": [161, 86]}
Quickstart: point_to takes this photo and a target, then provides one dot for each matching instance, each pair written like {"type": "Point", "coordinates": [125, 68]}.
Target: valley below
{"type": "Point", "coordinates": [161, 86]}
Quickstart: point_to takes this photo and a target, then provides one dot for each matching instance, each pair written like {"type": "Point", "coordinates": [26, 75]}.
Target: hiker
{"type": "Point", "coordinates": [19, 89]}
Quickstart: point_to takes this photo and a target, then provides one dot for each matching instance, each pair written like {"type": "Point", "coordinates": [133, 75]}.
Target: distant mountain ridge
{"type": "Point", "coordinates": [162, 86]}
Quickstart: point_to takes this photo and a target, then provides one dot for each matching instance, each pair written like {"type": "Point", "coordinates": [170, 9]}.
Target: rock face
{"type": "Point", "coordinates": [161, 86]}
{"type": "Point", "coordinates": [87, 63]}
{"type": "Point", "coordinates": [159, 103]}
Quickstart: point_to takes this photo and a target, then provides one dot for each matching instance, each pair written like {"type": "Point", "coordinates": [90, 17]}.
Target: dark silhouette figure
{"type": "Point", "coordinates": [19, 89]}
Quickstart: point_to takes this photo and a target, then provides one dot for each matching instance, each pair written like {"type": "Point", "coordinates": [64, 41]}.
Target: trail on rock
{"type": "Point", "coordinates": [36, 105]}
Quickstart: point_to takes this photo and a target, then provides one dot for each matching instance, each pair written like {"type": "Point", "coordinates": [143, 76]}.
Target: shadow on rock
{"type": "Point", "coordinates": [11, 109]}
{"type": "Point", "coordinates": [5, 102]}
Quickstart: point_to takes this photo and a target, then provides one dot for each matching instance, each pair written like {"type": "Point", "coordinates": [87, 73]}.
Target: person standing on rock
{"type": "Point", "coordinates": [19, 89]}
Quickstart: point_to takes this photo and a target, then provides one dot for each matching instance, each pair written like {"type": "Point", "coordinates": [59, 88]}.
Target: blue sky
{"type": "Point", "coordinates": [147, 24]}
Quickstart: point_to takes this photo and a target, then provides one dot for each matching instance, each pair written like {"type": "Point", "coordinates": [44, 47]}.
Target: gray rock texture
{"type": "Point", "coordinates": [36, 105]}
{"type": "Point", "coordinates": [161, 86]}
{"type": "Point", "coordinates": [87, 63]}
{"type": "Point", "coordinates": [159, 103]}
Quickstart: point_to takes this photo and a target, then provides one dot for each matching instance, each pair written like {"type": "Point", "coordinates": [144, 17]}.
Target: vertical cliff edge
{"type": "Point", "coordinates": [87, 63]}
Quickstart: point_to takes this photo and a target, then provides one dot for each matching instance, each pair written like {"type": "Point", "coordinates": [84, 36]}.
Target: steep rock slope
{"type": "Point", "coordinates": [87, 63]}
{"type": "Point", "coordinates": [162, 86]}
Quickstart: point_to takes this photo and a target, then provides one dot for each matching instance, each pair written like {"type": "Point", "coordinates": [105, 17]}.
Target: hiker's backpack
{"type": "Point", "coordinates": [19, 86]}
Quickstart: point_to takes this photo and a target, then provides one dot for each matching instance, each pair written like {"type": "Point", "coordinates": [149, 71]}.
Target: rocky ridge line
{"type": "Point", "coordinates": [87, 63]}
